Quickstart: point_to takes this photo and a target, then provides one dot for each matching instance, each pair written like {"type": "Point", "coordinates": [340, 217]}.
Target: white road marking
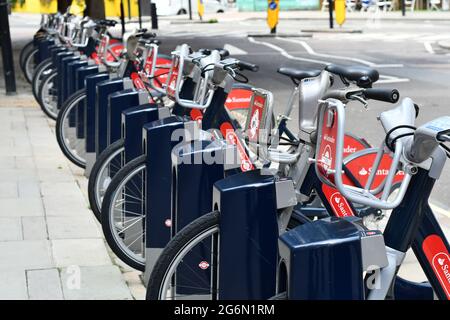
{"type": "Point", "coordinates": [284, 53]}
{"type": "Point", "coordinates": [234, 50]}
{"type": "Point", "coordinates": [383, 78]}
{"type": "Point", "coordinates": [311, 51]}
{"type": "Point", "coordinates": [428, 47]}
{"type": "Point", "coordinates": [391, 79]}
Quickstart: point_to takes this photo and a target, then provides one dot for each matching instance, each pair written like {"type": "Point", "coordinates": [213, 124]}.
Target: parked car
{"type": "Point", "coordinates": [174, 7]}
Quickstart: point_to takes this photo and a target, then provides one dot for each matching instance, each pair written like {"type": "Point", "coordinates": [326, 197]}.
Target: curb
{"type": "Point", "coordinates": [333, 30]}
{"type": "Point", "coordinates": [280, 35]}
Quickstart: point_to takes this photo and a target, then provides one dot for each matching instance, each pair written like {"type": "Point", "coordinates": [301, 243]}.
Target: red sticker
{"type": "Point", "coordinates": [239, 99]}
{"type": "Point", "coordinates": [352, 145]}
{"type": "Point", "coordinates": [361, 167]}
{"type": "Point", "coordinates": [439, 259]}
{"type": "Point", "coordinates": [326, 155]}
{"type": "Point", "coordinates": [203, 265]}
{"type": "Point", "coordinates": [256, 115]}
{"type": "Point", "coordinates": [196, 115]}
{"type": "Point", "coordinates": [137, 81]}
{"type": "Point", "coordinates": [172, 83]}
{"type": "Point", "coordinates": [231, 137]}
{"type": "Point", "coordinates": [338, 203]}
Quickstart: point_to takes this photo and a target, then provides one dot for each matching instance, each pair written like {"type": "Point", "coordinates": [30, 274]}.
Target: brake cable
{"type": "Point", "coordinates": [391, 144]}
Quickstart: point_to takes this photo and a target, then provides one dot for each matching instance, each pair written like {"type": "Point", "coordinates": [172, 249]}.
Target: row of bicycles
{"type": "Point", "coordinates": [202, 185]}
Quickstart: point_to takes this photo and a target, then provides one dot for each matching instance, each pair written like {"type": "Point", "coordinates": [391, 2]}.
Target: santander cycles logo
{"type": "Point", "coordinates": [437, 255]}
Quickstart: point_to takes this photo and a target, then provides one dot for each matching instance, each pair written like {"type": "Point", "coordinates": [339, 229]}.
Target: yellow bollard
{"type": "Point", "coordinates": [339, 8]}
{"type": "Point", "coordinates": [273, 9]}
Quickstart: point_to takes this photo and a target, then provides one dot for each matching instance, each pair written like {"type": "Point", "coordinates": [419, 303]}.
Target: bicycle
{"type": "Point", "coordinates": [242, 186]}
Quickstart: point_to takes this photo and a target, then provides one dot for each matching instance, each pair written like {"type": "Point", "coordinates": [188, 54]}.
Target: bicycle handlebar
{"type": "Point", "coordinates": [247, 66]}
{"type": "Point", "coordinates": [381, 94]}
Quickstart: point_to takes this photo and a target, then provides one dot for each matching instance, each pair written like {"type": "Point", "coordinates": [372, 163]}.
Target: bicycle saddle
{"type": "Point", "coordinates": [363, 76]}
{"type": "Point", "coordinates": [106, 22]}
{"type": "Point", "coordinates": [298, 74]}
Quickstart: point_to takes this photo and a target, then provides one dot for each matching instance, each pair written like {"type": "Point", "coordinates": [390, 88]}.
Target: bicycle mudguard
{"type": "Point", "coordinates": [65, 92]}
{"type": "Point", "coordinates": [119, 102]}
{"type": "Point", "coordinates": [104, 89]}
{"type": "Point", "coordinates": [91, 91]}
{"type": "Point", "coordinates": [89, 117]}
{"type": "Point", "coordinates": [43, 45]}
{"type": "Point", "coordinates": [133, 120]}
{"type": "Point", "coordinates": [72, 67]}
{"type": "Point", "coordinates": [326, 259]}
{"type": "Point", "coordinates": [80, 76]}
{"type": "Point", "coordinates": [60, 77]}
{"type": "Point", "coordinates": [158, 144]}
{"type": "Point", "coordinates": [248, 235]}
{"type": "Point", "coordinates": [196, 166]}
{"type": "Point", "coordinates": [409, 290]}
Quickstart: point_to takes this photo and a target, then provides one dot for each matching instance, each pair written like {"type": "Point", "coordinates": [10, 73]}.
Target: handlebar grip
{"type": "Point", "coordinates": [223, 53]}
{"type": "Point", "coordinates": [248, 66]}
{"type": "Point", "coordinates": [380, 94]}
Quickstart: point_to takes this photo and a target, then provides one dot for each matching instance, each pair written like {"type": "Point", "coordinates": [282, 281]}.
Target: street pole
{"type": "Point", "coordinates": [122, 17]}
{"type": "Point", "coordinates": [7, 54]}
{"type": "Point", "coordinates": [140, 14]}
{"type": "Point", "coordinates": [190, 10]}
{"type": "Point", "coordinates": [129, 10]}
{"type": "Point", "coordinates": [403, 8]}
{"type": "Point", "coordinates": [330, 10]}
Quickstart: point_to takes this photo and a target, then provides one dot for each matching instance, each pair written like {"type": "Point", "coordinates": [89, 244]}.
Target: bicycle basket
{"type": "Point", "coordinates": [329, 162]}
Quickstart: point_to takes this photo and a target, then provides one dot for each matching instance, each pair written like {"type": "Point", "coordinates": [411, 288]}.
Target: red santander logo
{"type": "Point", "coordinates": [203, 265]}
{"type": "Point", "coordinates": [437, 255]}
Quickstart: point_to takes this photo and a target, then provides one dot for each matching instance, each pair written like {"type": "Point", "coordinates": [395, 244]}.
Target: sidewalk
{"type": "Point", "coordinates": [234, 15]}
{"type": "Point", "coordinates": [51, 246]}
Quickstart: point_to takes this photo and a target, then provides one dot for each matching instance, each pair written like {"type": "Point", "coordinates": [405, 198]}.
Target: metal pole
{"type": "Point", "coordinates": [403, 8]}
{"type": "Point", "coordinates": [122, 17]}
{"type": "Point", "coordinates": [330, 10]}
{"type": "Point", "coordinates": [129, 10]}
{"type": "Point", "coordinates": [140, 14]}
{"type": "Point", "coordinates": [7, 54]}
{"type": "Point", "coordinates": [190, 10]}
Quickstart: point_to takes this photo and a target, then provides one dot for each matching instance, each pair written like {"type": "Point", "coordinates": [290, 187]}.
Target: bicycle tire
{"type": "Point", "coordinates": [70, 103]}
{"type": "Point", "coordinates": [175, 247]}
{"type": "Point", "coordinates": [105, 157]}
{"type": "Point", "coordinates": [107, 224]}
{"type": "Point", "coordinates": [43, 67]}
{"type": "Point", "coordinates": [24, 54]}
{"type": "Point", "coordinates": [49, 77]}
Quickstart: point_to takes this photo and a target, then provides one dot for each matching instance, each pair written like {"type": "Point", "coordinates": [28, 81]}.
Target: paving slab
{"type": "Point", "coordinates": [26, 254]}
{"type": "Point", "coordinates": [72, 227]}
{"type": "Point", "coordinates": [60, 189]}
{"type": "Point", "coordinates": [15, 207]}
{"type": "Point", "coordinates": [80, 252]}
{"type": "Point", "coordinates": [14, 284]}
{"type": "Point", "coordinates": [29, 189]}
{"type": "Point", "coordinates": [65, 205]}
{"type": "Point", "coordinates": [95, 283]}
{"type": "Point", "coordinates": [34, 228]}
{"type": "Point", "coordinates": [10, 229]}
{"type": "Point", "coordinates": [44, 284]}
{"type": "Point", "coordinates": [9, 190]}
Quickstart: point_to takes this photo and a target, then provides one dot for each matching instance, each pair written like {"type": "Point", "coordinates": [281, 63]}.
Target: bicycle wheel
{"type": "Point", "coordinates": [66, 135]}
{"type": "Point", "coordinates": [106, 166]}
{"type": "Point", "coordinates": [30, 65]}
{"type": "Point", "coordinates": [187, 267]}
{"type": "Point", "coordinates": [47, 99]}
{"type": "Point", "coordinates": [123, 213]}
{"type": "Point", "coordinates": [27, 51]}
{"type": "Point", "coordinates": [44, 68]}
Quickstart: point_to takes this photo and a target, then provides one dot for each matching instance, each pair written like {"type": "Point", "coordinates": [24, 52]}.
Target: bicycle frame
{"type": "Point", "coordinates": [413, 224]}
